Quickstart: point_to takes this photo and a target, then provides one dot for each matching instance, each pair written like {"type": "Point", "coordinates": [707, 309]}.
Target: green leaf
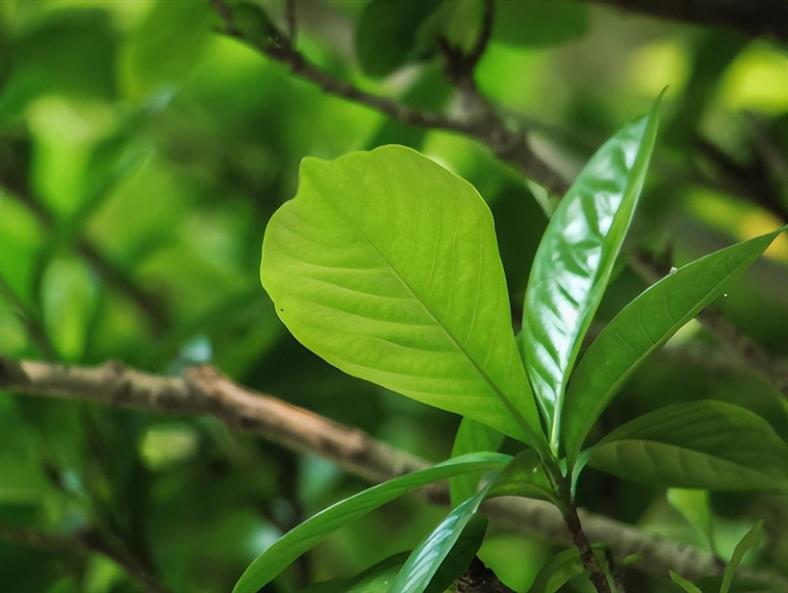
{"type": "Point", "coordinates": [375, 579]}
{"type": "Point", "coordinates": [422, 564]}
{"type": "Point", "coordinates": [707, 444]}
{"type": "Point", "coordinates": [684, 583]}
{"type": "Point", "coordinates": [385, 264]}
{"type": "Point", "coordinates": [539, 23]}
{"type": "Point", "coordinates": [389, 34]}
{"type": "Point", "coordinates": [643, 326]}
{"type": "Point", "coordinates": [309, 533]}
{"type": "Point", "coordinates": [524, 476]}
{"type": "Point", "coordinates": [460, 557]}
{"type": "Point", "coordinates": [575, 259]}
{"type": "Point", "coordinates": [471, 437]}
{"type": "Point", "coordinates": [558, 571]}
{"type": "Point", "coordinates": [695, 507]}
{"type": "Point", "coordinates": [750, 540]}
{"type": "Point", "coordinates": [167, 45]}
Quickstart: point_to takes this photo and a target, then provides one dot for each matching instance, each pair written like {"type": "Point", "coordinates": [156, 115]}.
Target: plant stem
{"type": "Point", "coordinates": [594, 569]}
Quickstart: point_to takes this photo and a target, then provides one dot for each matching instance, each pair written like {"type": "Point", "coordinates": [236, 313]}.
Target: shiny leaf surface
{"type": "Point", "coordinates": [575, 259]}
{"type": "Point", "coordinates": [708, 444]}
{"type": "Point", "coordinates": [309, 533]}
{"type": "Point", "coordinates": [386, 265]}
{"type": "Point", "coordinates": [524, 476]}
{"type": "Point", "coordinates": [643, 326]}
{"type": "Point", "coordinates": [420, 567]}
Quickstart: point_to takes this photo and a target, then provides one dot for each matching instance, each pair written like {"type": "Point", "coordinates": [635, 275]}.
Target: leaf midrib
{"type": "Point", "coordinates": [521, 421]}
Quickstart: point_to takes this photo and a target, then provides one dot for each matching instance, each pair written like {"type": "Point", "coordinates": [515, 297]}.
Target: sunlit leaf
{"type": "Point", "coordinates": [707, 444]}
{"type": "Point", "coordinates": [643, 326]}
{"type": "Point", "coordinates": [309, 533]}
{"type": "Point", "coordinates": [695, 507]}
{"type": "Point", "coordinates": [575, 259]}
{"type": "Point", "coordinates": [422, 564]}
{"type": "Point", "coordinates": [385, 264]}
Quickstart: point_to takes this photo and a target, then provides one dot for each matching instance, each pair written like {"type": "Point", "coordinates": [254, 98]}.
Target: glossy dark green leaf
{"type": "Point", "coordinates": [471, 437]}
{"type": "Point", "coordinates": [388, 34]}
{"type": "Point", "coordinates": [309, 533]}
{"type": "Point", "coordinates": [575, 259]}
{"type": "Point", "coordinates": [750, 540]}
{"type": "Point", "coordinates": [460, 557]}
{"type": "Point", "coordinates": [707, 444]}
{"type": "Point", "coordinates": [425, 560]}
{"type": "Point", "coordinates": [386, 265]}
{"type": "Point", "coordinates": [643, 326]}
{"type": "Point", "coordinates": [684, 583]}
{"type": "Point", "coordinates": [524, 476]}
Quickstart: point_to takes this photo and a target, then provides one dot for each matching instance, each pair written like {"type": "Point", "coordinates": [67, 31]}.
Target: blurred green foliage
{"type": "Point", "coordinates": [141, 154]}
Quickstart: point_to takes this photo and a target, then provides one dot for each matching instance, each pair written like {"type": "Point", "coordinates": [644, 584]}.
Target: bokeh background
{"type": "Point", "coordinates": [141, 154]}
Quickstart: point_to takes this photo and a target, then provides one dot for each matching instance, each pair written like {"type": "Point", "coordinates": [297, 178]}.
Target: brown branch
{"type": "Point", "coordinates": [587, 557]}
{"type": "Point", "coordinates": [86, 542]}
{"type": "Point", "coordinates": [751, 17]}
{"type": "Point", "coordinates": [508, 144]}
{"type": "Point", "coordinates": [202, 390]}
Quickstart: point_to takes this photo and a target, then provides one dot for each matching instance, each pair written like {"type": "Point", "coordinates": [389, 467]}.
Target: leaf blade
{"type": "Point", "coordinates": [425, 560]}
{"type": "Point", "coordinates": [708, 445]}
{"type": "Point", "coordinates": [643, 326]}
{"type": "Point", "coordinates": [307, 534]}
{"type": "Point", "coordinates": [385, 264]}
{"type": "Point", "coordinates": [575, 259]}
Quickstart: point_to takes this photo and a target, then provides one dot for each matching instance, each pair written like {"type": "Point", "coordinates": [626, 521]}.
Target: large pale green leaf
{"type": "Point", "coordinates": [309, 533]}
{"type": "Point", "coordinates": [471, 437]}
{"type": "Point", "coordinates": [386, 265]}
{"type": "Point", "coordinates": [420, 567]}
{"type": "Point", "coordinates": [643, 326]}
{"type": "Point", "coordinates": [707, 444]}
{"type": "Point", "coordinates": [575, 259]}
{"type": "Point", "coordinates": [695, 507]}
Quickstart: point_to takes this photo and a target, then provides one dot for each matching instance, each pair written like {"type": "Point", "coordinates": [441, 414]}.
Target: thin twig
{"type": "Point", "coordinates": [485, 33]}
{"type": "Point", "coordinates": [202, 390]}
{"type": "Point", "coordinates": [85, 542]}
{"type": "Point", "coordinates": [751, 17]}
{"type": "Point", "coordinates": [292, 23]}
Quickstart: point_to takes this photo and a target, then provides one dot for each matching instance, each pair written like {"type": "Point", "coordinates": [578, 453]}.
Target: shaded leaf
{"type": "Point", "coordinates": [695, 507]}
{"type": "Point", "coordinates": [558, 571]}
{"type": "Point", "coordinates": [524, 476]}
{"type": "Point", "coordinates": [575, 259]}
{"type": "Point", "coordinates": [684, 583]}
{"type": "Point", "coordinates": [750, 540]}
{"type": "Point", "coordinates": [385, 264]}
{"type": "Point", "coordinates": [388, 34]}
{"type": "Point", "coordinates": [537, 23]}
{"type": "Point", "coordinates": [309, 533]}
{"type": "Point", "coordinates": [707, 444]}
{"type": "Point", "coordinates": [471, 437]}
{"type": "Point", "coordinates": [643, 326]}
